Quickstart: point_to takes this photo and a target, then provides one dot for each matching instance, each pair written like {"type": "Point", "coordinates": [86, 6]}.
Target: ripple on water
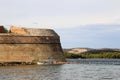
{"type": "Point", "coordinates": [61, 72]}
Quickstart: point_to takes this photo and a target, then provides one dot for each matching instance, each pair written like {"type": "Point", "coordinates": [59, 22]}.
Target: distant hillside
{"type": "Point", "coordinates": [92, 53]}
{"type": "Point", "coordinates": [76, 50]}
{"type": "Point", "coordinates": [90, 50]}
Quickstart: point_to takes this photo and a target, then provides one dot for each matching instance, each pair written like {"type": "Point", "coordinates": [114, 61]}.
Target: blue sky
{"type": "Point", "coordinates": [80, 23]}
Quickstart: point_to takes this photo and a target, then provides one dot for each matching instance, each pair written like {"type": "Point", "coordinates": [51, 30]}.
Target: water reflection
{"type": "Point", "coordinates": [61, 72]}
{"type": "Point", "coordinates": [47, 72]}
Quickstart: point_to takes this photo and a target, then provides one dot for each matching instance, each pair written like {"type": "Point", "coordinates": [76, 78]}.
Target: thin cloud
{"type": "Point", "coordinates": [91, 36]}
{"type": "Point", "coordinates": [59, 14]}
{"type": "Point", "coordinates": [64, 16]}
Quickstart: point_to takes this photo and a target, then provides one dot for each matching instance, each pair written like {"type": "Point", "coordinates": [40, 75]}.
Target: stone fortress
{"type": "Point", "coordinates": [30, 45]}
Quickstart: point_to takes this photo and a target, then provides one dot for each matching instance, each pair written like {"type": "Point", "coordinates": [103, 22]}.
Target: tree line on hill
{"type": "Point", "coordinates": [96, 53]}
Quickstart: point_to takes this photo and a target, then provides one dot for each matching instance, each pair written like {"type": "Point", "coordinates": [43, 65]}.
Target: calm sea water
{"type": "Point", "coordinates": [86, 70]}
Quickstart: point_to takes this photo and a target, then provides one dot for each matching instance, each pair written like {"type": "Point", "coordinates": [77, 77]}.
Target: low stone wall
{"type": "Point", "coordinates": [33, 31]}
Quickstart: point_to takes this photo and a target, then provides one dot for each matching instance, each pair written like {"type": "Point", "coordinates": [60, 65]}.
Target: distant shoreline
{"type": "Point", "coordinates": [85, 53]}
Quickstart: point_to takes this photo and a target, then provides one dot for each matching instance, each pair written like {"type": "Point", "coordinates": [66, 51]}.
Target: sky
{"type": "Point", "coordinates": [80, 23]}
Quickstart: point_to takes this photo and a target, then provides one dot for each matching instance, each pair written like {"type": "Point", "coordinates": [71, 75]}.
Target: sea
{"type": "Point", "coordinates": [85, 69]}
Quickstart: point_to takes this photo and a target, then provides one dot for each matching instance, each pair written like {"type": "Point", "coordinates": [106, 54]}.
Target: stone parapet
{"type": "Point", "coordinates": [33, 31]}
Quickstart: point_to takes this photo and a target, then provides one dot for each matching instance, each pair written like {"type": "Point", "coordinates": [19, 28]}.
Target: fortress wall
{"type": "Point", "coordinates": [28, 39]}
{"type": "Point", "coordinates": [33, 32]}
{"type": "Point", "coordinates": [29, 45]}
{"type": "Point", "coordinates": [30, 52]}
{"type": "Point", "coordinates": [41, 32]}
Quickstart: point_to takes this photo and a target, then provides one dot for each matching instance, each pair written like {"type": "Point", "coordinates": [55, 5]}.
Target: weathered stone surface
{"type": "Point", "coordinates": [30, 52]}
{"type": "Point", "coordinates": [33, 31]}
{"type": "Point", "coordinates": [17, 30]}
{"type": "Point", "coordinates": [29, 45]}
{"type": "Point", "coordinates": [28, 39]}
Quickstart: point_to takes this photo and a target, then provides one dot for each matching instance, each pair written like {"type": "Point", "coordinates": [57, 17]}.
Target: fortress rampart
{"type": "Point", "coordinates": [30, 45]}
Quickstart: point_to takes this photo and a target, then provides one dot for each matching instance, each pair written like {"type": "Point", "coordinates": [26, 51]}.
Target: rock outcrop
{"type": "Point", "coordinates": [17, 30]}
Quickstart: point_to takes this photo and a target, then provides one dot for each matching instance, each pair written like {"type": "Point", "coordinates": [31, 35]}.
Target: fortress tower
{"type": "Point", "coordinates": [30, 45]}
